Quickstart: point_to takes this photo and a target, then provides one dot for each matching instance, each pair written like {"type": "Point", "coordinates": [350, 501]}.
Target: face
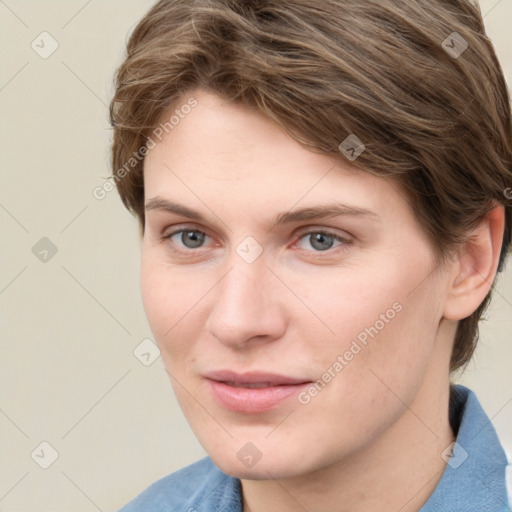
{"type": "Point", "coordinates": [286, 335]}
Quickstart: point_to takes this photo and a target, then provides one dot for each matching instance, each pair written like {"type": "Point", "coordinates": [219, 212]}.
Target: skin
{"type": "Point", "coordinates": [372, 438]}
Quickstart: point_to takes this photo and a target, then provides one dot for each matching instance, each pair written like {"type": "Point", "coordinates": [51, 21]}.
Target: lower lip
{"type": "Point", "coordinates": [253, 400]}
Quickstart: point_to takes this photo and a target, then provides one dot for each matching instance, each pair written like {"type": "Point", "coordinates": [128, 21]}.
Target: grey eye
{"type": "Point", "coordinates": [321, 241]}
{"type": "Point", "coordinates": [191, 239]}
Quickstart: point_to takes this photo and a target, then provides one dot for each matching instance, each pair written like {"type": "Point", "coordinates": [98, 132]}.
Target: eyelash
{"type": "Point", "coordinates": [340, 248]}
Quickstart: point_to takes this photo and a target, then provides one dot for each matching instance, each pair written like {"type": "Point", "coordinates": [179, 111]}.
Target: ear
{"type": "Point", "coordinates": [475, 267]}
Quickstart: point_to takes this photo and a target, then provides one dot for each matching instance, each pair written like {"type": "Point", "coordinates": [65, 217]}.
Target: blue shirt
{"type": "Point", "coordinates": [474, 479]}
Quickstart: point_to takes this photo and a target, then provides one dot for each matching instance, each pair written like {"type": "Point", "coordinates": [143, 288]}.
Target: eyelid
{"type": "Point", "coordinates": [168, 234]}
{"type": "Point", "coordinates": [301, 230]}
{"type": "Point", "coordinates": [323, 229]}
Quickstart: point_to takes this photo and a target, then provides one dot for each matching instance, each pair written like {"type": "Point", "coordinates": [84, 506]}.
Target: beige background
{"type": "Point", "coordinates": [70, 325]}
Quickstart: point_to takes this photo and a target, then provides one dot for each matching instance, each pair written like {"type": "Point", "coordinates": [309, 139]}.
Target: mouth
{"type": "Point", "coordinates": [254, 392]}
{"type": "Point", "coordinates": [257, 385]}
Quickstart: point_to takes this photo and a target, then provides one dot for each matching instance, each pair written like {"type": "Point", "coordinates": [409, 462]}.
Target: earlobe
{"type": "Point", "coordinates": [476, 267]}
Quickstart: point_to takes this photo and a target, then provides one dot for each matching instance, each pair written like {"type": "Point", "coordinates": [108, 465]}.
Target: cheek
{"type": "Point", "coordinates": [385, 327]}
{"type": "Point", "coordinates": [391, 367]}
{"type": "Point", "coordinates": [176, 304]}
{"type": "Point", "coordinates": [168, 304]}
{"type": "Point", "coordinates": [360, 305]}
{"type": "Point", "coordinates": [155, 296]}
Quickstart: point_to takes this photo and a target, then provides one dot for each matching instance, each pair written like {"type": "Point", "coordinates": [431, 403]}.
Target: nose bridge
{"type": "Point", "coordinates": [243, 301]}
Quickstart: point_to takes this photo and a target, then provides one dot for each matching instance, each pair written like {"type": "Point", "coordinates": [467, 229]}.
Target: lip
{"type": "Point", "coordinates": [228, 390]}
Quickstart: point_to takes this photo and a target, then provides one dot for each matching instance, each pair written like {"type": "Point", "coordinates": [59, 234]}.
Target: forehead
{"type": "Point", "coordinates": [225, 152]}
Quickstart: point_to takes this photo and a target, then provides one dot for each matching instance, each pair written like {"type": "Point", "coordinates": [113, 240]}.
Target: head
{"type": "Point", "coordinates": [246, 112]}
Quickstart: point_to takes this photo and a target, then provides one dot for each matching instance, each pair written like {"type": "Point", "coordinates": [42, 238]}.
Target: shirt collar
{"type": "Point", "coordinates": [474, 477]}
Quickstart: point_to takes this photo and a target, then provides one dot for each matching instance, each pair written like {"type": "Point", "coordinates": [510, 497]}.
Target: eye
{"type": "Point", "coordinates": [190, 238]}
{"type": "Point", "coordinates": [322, 240]}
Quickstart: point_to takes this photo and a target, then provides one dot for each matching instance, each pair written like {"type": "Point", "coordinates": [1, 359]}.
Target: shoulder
{"type": "Point", "coordinates": [201, 486]}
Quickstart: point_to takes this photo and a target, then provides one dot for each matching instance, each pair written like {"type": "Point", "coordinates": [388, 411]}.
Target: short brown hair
{"type": "Point", "coordinates": [417, 82]}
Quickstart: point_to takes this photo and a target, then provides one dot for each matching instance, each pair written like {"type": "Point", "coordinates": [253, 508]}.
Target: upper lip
{"type": "Point", "coordinates": [272, 379]}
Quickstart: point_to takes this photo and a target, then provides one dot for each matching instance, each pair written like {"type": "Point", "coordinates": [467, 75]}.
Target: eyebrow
{"type": "Point", "coordinates": [310, 213]}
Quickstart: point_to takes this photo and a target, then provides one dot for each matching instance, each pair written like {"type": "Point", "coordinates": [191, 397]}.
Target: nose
{"type": "Point", "coordinates": [246, 307]}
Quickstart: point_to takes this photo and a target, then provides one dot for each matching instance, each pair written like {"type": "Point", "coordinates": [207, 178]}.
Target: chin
{"type": "Point", "coordinates": [267, 467]}
{"type": "Point", "coordinates": [261, 471]}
